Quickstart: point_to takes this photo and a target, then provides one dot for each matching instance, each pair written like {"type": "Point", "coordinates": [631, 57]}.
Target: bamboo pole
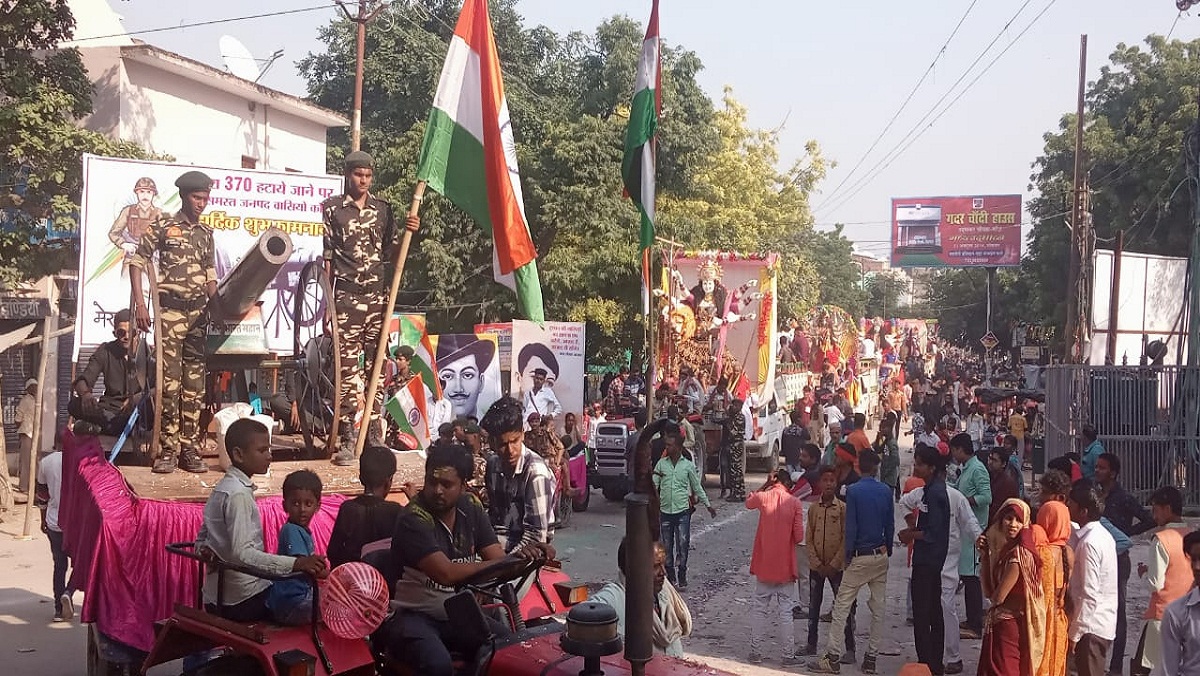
{"type": "Point", "coordinates": [40, 400]}
{"type": "Point", "coordinates": [381, 349]}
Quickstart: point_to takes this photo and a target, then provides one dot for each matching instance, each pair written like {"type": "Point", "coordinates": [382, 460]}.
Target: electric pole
{"type": "Point", "coordinates": [367, 11]}
{"type": "Point", "coordinates": [1079, 237]}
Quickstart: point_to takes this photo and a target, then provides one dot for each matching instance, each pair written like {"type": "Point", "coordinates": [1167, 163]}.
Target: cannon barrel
{"type": "Point", "coordinates": [247, 281]}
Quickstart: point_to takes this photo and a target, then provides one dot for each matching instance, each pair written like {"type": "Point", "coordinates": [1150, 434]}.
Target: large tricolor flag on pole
{"type": "Point", "coordinates": [469, 154]}
{"type": "Point", "coordinates": [637, 168]}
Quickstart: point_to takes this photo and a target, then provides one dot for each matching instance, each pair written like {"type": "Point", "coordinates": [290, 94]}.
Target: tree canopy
{"type": "Point", "coordinates": [718, 181]}
{"type": "Point", "coordinates": [44, 91]}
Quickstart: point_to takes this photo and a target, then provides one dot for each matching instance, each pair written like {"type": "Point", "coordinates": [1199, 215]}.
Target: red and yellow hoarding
{"type": "Point", "coordinates": [970, 231]}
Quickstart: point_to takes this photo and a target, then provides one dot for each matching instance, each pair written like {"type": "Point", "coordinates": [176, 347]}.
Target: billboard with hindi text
{"type": "Point", "coordinates": [121, 197]}
{"type": "Point", "coordinates": [956, 232]}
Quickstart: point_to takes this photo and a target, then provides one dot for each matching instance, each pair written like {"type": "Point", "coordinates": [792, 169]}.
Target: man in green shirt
{"type": "Point", "coordinates": [975, 483]}
{"type": "Point", "coordinates": [677, 482]}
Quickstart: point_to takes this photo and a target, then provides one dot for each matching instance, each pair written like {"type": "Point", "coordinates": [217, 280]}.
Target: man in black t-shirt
{"type": "Point", "coordinates": [442, 538]}
{"type": "Point", "coordinates": [124, 376]}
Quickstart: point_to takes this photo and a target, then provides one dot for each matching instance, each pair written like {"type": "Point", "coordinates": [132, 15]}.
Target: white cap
{"type": "Point", "coordinates": [31, 381]}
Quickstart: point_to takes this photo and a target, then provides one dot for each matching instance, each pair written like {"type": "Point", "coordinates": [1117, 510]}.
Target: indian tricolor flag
{"type": "Point", "coordinates": [407, 408]}
{"type": "Point", "coordinates": [470, 157]}
{"type": "Point", "coordinates": [637, 167]}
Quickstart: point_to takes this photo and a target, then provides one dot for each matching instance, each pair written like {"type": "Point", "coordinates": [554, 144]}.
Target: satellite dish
{"type": "Point", "coordinates": [238, 60]}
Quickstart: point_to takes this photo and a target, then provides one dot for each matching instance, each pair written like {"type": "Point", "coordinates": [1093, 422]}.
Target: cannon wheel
{"type": "Point", "coordinates": [312, 312]}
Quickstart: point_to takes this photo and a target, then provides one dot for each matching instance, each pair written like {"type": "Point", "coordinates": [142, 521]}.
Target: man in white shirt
{"type": "Point", "coordinates": [1181, 622]}
{"type": "Point", "coordinates": [1093, 584]}
{"type": "Point", "coordinates": [833, 414]}
{"type": "Point", "coordinates": [963, 528]}
{"type": "Point", "coordinates": [540, 399]}
{"type": "Point", "coordinates": [49, 497]}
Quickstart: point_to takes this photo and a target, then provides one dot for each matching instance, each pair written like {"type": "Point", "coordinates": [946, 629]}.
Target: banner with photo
{"type": "Point", "coordinates": [956, 232]}
{"type": "Point", "coordinates": [468, 372]}
{"type": "Point", "coordinates": [503, 333]}
{"type": "Point", "coordinates": [122, 197]}
{"type": "Point", "coordinates": [557, 348]}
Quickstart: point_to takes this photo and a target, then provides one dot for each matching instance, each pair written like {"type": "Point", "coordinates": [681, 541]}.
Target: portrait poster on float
{"type": "Point", "coordinates": [968, 231]}
{"type": "Point", "coordinates": [559, 349]}
{"type": "Point", "coordinates": [122, 197]}
{"type": "Point", "coordinates": [467, 367]}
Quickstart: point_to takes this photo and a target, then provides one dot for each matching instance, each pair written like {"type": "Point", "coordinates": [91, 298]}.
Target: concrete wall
{"type": "Point", "coordinates": [195, 124]}
{"type": "Point", "coordinates": [203, 125]}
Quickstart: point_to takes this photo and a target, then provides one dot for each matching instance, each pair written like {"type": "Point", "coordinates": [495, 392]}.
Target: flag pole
{"type": "Point", "coordinates": [651, 320]}
{"type": "Point", "coordinates": [381, 349]}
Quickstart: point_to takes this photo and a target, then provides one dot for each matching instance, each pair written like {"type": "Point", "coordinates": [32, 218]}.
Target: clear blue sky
{"type": "Point", "coordinates": [835, 71]}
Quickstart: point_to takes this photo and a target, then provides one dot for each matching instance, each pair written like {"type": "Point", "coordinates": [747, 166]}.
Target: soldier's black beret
{"type": "Point", "coordinates": [193, 181]}
{"type": "Point", "coordinates": [358, 159]}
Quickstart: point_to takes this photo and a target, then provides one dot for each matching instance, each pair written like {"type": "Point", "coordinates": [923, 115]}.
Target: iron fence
{"type": "Point", "coordinates": [1141, 414]}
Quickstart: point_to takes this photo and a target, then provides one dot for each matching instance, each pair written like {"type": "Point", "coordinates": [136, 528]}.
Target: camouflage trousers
{"type": "Point", "coordinates": [737, 470]}
{"type": "Point", "coordinates": [359, 321]}
{"type": "Point", "coordinates": [183, 336]}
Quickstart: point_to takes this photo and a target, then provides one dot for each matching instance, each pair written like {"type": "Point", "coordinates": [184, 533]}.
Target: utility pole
{"type": "Point", "coordinates": [367, 11]}
{"type": "Point", "coordinates": [1075, 278]}
{"type": "Point", "coordinates": [1114, 299]}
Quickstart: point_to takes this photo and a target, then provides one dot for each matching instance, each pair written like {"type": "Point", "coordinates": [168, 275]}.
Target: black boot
{"type": "Point", "coordinates": [190, 461]}
{"type": "Point", "coordinates": [345, 449]}
{"type": "Point", "coordinates": [165, 464]}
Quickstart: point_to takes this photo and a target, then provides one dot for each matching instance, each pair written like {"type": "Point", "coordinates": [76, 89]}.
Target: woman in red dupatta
{"type": "Point", "coordinates": [1010, 570]}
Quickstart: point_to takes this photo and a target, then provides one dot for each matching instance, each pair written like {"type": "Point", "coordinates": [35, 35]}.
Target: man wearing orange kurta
{"type": "Point", "coordinates": [773, 562]}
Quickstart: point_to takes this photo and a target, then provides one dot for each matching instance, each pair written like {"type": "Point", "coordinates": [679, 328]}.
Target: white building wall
{"type": "Point", "coordinates": [203, 125]}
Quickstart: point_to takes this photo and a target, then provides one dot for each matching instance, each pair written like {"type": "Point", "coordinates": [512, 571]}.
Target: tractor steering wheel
{"type": "Point", "coordinates": [503, 570]}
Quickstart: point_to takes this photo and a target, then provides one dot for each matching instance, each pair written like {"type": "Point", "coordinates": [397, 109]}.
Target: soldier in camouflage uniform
{"type": "Point", "coordinates": [735, 439]}
{"type": "Point", "coordinates": [187, 279]}
{"type": "Point", "coordinates": [360, 246]}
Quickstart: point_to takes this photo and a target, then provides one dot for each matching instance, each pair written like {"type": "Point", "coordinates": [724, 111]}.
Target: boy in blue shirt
{"type": "Point", "coordinates": [290, 601]}
{"type": "Point", "coordinates": [232, 530]}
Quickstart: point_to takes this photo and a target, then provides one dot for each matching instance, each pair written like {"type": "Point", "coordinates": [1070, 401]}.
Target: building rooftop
{"type": "Point", "coordinates": [207, 75]}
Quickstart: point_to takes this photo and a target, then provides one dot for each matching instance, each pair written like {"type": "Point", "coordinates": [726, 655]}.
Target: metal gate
{"type": "Point", "coordinates": [1138, 413]}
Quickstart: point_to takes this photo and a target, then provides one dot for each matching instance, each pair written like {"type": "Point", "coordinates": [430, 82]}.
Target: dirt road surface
{"type": "Point", "coordinates": [720, 595]}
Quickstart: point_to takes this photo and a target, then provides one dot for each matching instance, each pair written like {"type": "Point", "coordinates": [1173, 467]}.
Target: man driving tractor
{"type": "Point", "coordinates": [442, 540]}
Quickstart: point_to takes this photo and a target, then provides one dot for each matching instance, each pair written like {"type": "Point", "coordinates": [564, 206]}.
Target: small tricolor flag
{"type": "Point", "coordinates": [407, 408]}
{"type": "Point", "coordinates": [470, 157]}
{"type": "Point", "coordinates": [638, 165]}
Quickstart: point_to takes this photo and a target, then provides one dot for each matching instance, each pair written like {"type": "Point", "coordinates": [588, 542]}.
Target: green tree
{"type": "Point", "coordinates": [885, 291]}
{"type": "Point", "coordinates": [568, 97]}
{"type": "Point", "coordinates": [44, 91]}
{"type": "Point", "coordinates": [1138, 113]}
{"type": "Point", "coordinates": [838, 278]}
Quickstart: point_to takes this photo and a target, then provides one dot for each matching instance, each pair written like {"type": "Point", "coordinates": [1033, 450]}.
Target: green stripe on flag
{"type": "Point", "coordinates": [452, 163]}
{"type": "Point", "coordinates": [643, 124]}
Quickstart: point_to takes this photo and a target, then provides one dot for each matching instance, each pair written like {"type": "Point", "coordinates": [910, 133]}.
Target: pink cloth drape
{"type": "Point", "coordinates": [117, 541]}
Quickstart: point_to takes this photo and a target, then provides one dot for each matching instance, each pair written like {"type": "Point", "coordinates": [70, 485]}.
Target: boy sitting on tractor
{"type": "Point", "coordinates": [232, 531]}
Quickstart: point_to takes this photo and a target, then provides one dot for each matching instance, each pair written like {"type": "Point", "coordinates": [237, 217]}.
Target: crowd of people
{"type": "Point", "coordinates": [1043, 573]}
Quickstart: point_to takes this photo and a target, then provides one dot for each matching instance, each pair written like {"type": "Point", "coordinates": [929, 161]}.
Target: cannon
{"type": "Point", "coordinates": [237, 339]}
{"type": "Point", "coordinates": [246, 282]}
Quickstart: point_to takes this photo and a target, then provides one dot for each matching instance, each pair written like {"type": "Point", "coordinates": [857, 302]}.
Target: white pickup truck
{"type": "Point", "coordinates": [768, 421]}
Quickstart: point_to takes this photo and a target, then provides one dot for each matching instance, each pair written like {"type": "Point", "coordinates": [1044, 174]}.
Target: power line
{"type": "Point", "coordinates": [907, 99]}
{"type": "Point", "coordinates": [899, 149]}
{"type": "Point", "coordinates": [212, 22]}
{"type": "Point", "coordinates": [839, 199]}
